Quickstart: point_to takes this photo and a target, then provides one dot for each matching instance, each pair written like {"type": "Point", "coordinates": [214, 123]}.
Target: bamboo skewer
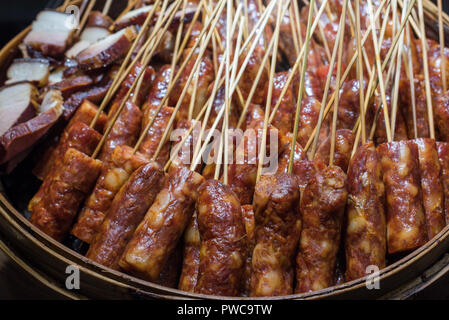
{"type": "Point", "coordinates": [412, 83]}
{"type": "Point", "coordinates": [233, 87]}
{"type": "Point", "coordinates": [119, 79]}
{"type": "Point", "coordinates": [227, 97]}
{"type": "Point", "coordinates": [379, 74]}
{"type": "Point", "coordinates": [426, 71]}
{"type": "Point", "coordinates": [360, 72]}
{"type": "Point", "coordinates": [395, 93]}
{"type": "Point", "coordinates": [301, 87]}
{"type": "Point", "coordinates": [270, 88]}
{"type": "Point", "coordinates": [107, 7]}
{"type": "Point", "coordinates": [189, 80]}
{"type": "Point", "coordinates": [326, 88]}
{"type": "Point", "coordinates": [351, 63]}
{"type": "Point", "coordinates": [338, 81]}
{"type": "Point", "coordinates": [295, 66]}
{"type": "Point", "coordinates": [85, 16]}
{"type": "Point", "coordinates": [145, 62]}
{"type": "Point", "coordinates": [441, 35]}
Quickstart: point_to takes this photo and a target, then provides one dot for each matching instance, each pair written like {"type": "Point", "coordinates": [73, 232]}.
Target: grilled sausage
{"type": "Point", "coordinates": [406, 223]}
{"type": "Point", "coordinates": [250, 232]}
{"type": "Point", "coordinates": [113, 176]}
{"type": "Point", "coordinates": [442, 116]}
{"type": "Point", "coordinates": [159, 86]}
{"type": "Point", "coordinates": [63, 192]}
{"type": "Point", "coordinates": [284, 117]}
{"type": "Point", "coordinates": [443, 156]}
{"type": "Point", "coordinates": [159, 232]}
{"type": "Point", "coordinates": [343, 148]}
{"type": "Point", "coordinates": [422, 121]}
{"type": "Point", "coordinates": [191, 256]}
{"type": "Point", "coordinates": [432, 188]}
{"type": "Point", "coordinates": [243, 172]}
{"type": "Point", "coordinates": [85, 114]}
{"type": "Point", "coordinates": [322, 206]}
{"type": "Point", "coordinates": [185, 152]}
{"type": "Point", "coordinates": [222, 253]}
{"type": "Point", "coordinates": [278, 227]}
{"type": "Point", "coordinates": [154, 135]}
{"type": "Point", "coordinates": [310, 111]}
{"type": "Point", "coordinates": [126, 212]}
{"type": "Point", "coordinates": [125, 130]}
{"type": "Point", "coordinates": [366, 231]}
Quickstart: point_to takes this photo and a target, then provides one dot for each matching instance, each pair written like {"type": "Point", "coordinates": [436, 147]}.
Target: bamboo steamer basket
{"type": "Point", "coordinates": [46, 260]}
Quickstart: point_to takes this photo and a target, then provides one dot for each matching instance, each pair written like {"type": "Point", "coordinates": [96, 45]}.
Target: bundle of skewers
{"type": "Point", "coordinates": [347, 97]}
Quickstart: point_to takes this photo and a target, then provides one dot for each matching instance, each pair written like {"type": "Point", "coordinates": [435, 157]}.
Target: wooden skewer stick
{"type": "Point", "coordinates": [298, 23]}
{"type": "Point", "coordinates": [263, 145]}
{"type": "Point", "coordinates": [255, 83]}
{"type": "Point", "coordinates": [441, 34]}
{"type": "Point", "coordinates": [351, 63]}
{"type": "Point", "coordinates": [296, 65]}
{"type": "Point", "coordinates": [218, 39]}
{"type": "Point", "coordinates": [209, 104]}
{"type": "Point", "coordinates": [338, 81]}
{"type": "Point", "coordinates": [412, 83]}
{"type": "Point", "coordinates": [395, 94]}
{"type": "Point", "coordinates": [379, 74]}
{"type": "Point", "coordinates": [360, 71]}
{"type": "Point", "coordinates": [187, 84]}
{"type": "Point", "coordinates": [323, 36]}
{"type": "Point", "coordinates": [294, 31]}
{"type": "Point", "coordinates": [301, 86]}
{"type": "Point", "coordinates": [327, 87]}
{"type": "Point", "coordinates": [412, 22]}
{"type": "Point", "coordinates": [107, 7]}
{"type": "Point", "coordinates": [133, 86]}
{"type": "Point", "coordinates": [189, 29]}
{"type": "Point", "coordinates": [426, 70]}
{"type": "Point", "coordinates": [85, 16]}
{"type": "Point", "coordinates": [118, 79]}
{"type": "Point", "coordinates": [216, 11]}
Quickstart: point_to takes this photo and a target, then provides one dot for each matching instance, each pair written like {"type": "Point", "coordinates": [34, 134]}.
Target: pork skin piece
{"type": "Point", "coordinates": [51, 32]}
{"type": "Point", "coordinates": [23, 136]}
{"type": "Point", "coordinates": [16, 104]}
{"type": "Point", "coordinates": [36, 71]}
{"type": "Point", "coordinates": [107, 50]}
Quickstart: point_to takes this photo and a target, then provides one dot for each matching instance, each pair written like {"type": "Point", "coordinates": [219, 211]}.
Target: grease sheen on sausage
{"type": "Point", "coordinates": [164, 223]}
{"type": "Point", "coordinates": [366, 231]}
{"type": "Point", "coordinates": [63, 191]}
{"type": "Point", "coordinates": [222, 253]}
{"type": "Point", "coordinates": [126, 212]}
{"type": "Point", "coordinates": [406, 223]}
{"type": "Point", "coordinates": [278, 227]}
{"type": "Point", "coordinates": [432, 188]}
{"type": "Point", "coordinates": [322, 206]}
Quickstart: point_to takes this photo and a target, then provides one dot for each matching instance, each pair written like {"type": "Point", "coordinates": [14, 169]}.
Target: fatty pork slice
{"type": "Point", "coordinates": [17, 104]}
{"type": "Point", "coordinates": [51, 32]}
{"type": "Point", "coordinates": [25, 135]}
{"type": "Point", "coordinates": [36, 71]}
{"type": "Point", "coordinates": [89, 36]}
{"type": "Point", "coordinates": [106, 51]}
